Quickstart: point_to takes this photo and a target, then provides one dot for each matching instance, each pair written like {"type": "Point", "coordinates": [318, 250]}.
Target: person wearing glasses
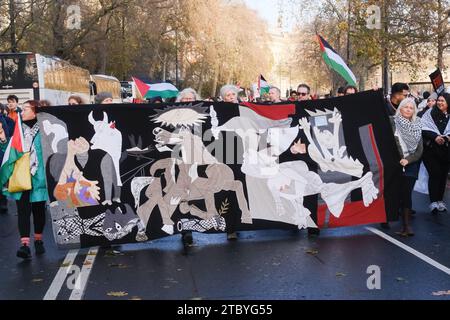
{"type": "Point", "coordinates": [399, 92]}
{"type": "Point", "coordinates": [303, 92]}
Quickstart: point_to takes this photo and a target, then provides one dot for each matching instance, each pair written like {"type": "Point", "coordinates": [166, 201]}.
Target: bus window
{"type": "Point", "coordinates": [18, 72]}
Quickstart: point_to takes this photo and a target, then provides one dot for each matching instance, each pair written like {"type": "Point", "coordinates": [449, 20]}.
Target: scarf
{"type": "Point", "coordinates": [428, 124]}
{"type": "Point", "coordinates": [409, 133]}
{"type": "Point", "coordinates": [30, 130]}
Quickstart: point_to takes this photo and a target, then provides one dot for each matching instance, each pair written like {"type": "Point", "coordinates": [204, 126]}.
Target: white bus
{"type": "Point", "coordinates": [37, 77]}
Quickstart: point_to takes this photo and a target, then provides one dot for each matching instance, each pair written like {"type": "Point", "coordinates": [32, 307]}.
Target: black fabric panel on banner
{"type": "Point", "coordinates": [131, 173]}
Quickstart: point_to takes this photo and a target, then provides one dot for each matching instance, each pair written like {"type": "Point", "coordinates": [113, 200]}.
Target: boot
{"type": "Point", "coordinates": [406, 228]}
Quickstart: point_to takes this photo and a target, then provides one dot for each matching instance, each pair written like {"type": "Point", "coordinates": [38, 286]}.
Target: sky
{"type": "Point", "coordinates": [269, 10]}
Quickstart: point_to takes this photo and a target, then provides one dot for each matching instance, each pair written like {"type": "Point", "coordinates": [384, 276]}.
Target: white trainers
{"type": "Point", "coordinates": [441, 206]}
{"type": "Point", "coordinates": [434, 206]}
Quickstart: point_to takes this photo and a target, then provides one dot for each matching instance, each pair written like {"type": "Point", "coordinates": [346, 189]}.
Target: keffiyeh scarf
{"type": "Point", "coordinates": [409, 133]}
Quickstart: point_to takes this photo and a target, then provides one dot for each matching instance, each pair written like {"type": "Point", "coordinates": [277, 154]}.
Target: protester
{"type": "Point", "coordinates": [45, 103]}
{"type": "Point", "coordinates": [293, 96]}
{"type": "Point", "coordinates": [399, 92]}
{"type": "Point", "coordinates": [157, 99]}
{"type": "Point", "coordinates": [188, 95]}
{"type": "Point", "coordinates": [13, 104]}
{"type": "Point", "coordinates": [74, 101]}
{"type": "Point", "coordinates": [229, 93]}
{"type": "Point", "coordinates": [6, 127]}
{"type": "Point", "coordinates": [436, 130]}
{"type": "Point", "coordinates": [341, 91]}
{"type": "Point", "coordinates": [33, 201]}
{"type": "Point", "coordinates": [274, 95]}
{"type": "Point", "coordinates": [429, 104]}
{"type": "Point", "coordinates": [350, 90]}
{"type": "Point", "coordinates": [104, 98]}
{"type": "Point", "coordinates": [407, 129]}
{"type": "Point", "coordinates": [303, 92]}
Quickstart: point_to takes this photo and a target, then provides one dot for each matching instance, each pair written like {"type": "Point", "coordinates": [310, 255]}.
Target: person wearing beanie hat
{"type": "Point", "coordinates": [427, 104]}
{"type": "Point", "coordinates": [104, 98]}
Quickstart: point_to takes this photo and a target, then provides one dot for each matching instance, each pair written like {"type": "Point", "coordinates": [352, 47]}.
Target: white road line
{"type": "Point", "coordinates": [58, 281]}
{"type": "Point", "coordinates": [81, 282]}
{"type": "Point", "coordinates": [410, 250]}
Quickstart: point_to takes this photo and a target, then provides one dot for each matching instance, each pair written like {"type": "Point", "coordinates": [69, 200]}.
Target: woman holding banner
{"type": "Point", "coordinates": [408, 135]}
{"type": "Point", "coordinates": [26, 182]}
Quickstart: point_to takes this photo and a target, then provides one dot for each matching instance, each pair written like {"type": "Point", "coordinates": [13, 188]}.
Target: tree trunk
{"type": "Point", "coordinates": [385, 68]}
{"type": "Point", "coordinates": [441, 35]}
{"type": "Point", "coordinates": [12, 28]}
{"type": "Point", "coordinates": [201, 81]}
{"type": "Point", "coordinates": [215, 80]}
{"type": "Point", "coordinates": [58, 29]}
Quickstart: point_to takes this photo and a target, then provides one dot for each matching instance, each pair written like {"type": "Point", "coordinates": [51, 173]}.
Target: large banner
{"type": "Point", "coordinates": [131, 173]}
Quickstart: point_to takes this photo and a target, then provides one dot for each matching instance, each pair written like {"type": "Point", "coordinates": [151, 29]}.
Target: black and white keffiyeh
{"type": "Point", "coordinates": [428, 124]}
{"type": "Point", "coordinates": [409, 133]}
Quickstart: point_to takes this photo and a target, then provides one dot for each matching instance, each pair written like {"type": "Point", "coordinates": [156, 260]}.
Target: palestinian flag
{"type": "Point", "coordinates": [263, 86]}
{"type": "Point", "coordinates": [13, 152]}
{"type": "Point", "coordinates": [163, 90]}
{"type": "Point", "coordinates": [335, 62]}
{"type": "Point", "coordinates": [142, 88]}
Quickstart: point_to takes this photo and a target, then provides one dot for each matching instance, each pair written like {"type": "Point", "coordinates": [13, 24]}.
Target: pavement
{"type": "Point", "coordinates": [353, 263]}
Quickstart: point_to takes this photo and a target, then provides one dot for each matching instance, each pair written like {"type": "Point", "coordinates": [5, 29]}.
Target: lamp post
{"type": "Point", "coordinates": [176, 57]}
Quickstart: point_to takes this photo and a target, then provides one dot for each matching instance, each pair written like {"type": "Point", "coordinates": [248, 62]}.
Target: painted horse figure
{"type": "Point", "coordinates": [188, 186]}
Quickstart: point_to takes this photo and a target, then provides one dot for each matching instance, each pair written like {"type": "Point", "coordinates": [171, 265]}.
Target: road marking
{"type": "Point", "coordinates": [410, 250]}
{"type": "Point", "coordinates": [55, 287]}
{"type": "Point", "coordinates": [78, 293]}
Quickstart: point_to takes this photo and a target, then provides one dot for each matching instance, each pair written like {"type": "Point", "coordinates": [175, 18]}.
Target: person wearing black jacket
{"type": "Point", "coordinates": [399, 92]}
{"type": "Point", "coordinates": [435, 132]}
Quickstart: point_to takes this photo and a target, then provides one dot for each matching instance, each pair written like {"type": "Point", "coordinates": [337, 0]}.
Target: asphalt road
{"type": "Point", "coordinates": [261, 265]}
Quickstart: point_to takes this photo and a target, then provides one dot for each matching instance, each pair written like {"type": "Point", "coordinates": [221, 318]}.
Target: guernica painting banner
{"type": "Point", "coordinates": [132, 173]}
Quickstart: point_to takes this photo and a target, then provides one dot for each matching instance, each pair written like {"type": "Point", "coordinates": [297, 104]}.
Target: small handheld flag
{"type": "Point", "coordinates": [263, 86]}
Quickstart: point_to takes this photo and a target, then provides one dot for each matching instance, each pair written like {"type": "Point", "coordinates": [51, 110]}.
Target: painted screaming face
{"type": "Point", "coordinates": [79, 145]}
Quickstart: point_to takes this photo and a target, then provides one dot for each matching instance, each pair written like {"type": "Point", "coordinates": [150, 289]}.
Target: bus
{"type": "Point", "coordinates": [103, 83]}
{"type": "Point", "coordinates": [32, 76]}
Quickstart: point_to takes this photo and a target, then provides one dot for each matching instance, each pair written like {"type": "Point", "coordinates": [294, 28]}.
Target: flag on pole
{"type": "Point", "coordinates": [263, 86]}
{"type": "Point", "coordinates": [14, 151]}
{"type": "Point", "coordinates": [335, 62]}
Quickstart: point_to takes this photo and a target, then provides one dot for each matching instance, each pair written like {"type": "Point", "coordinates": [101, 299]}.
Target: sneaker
{"type": "Point", "coordinates": [441, 206]}
{"type": "Point", "coordinates": [434, 207]}
{"type": "Point", "coordinates": [24, 252]}
{"type": "Point", "coordinates": [39, 247]}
